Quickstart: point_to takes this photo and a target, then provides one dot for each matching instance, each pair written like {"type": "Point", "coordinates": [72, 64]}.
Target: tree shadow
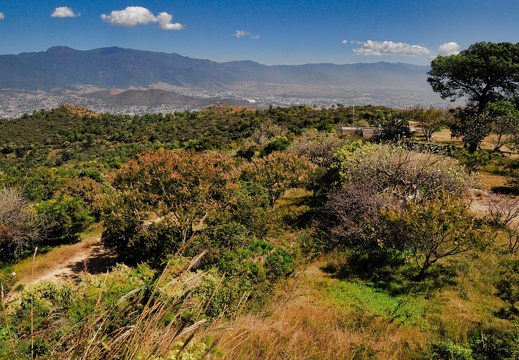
{"type": "Point", "coordinates": [391, 273]}
{"type": "Point", "coordinates": [505, 190]}
{"type": "Point", "coordinates": [99, 261]}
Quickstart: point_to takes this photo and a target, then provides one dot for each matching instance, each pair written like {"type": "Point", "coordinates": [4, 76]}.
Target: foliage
{"type": "Point", "coordinates": [450, 350]}
{"type": "Point", "coordinates": [123, 170]}
{"type": "Point", "coordinates": [20, 226]}
{"type": "Point", "coordinates": [386, 197]}
{"type": "Point", "coordinates": [392, 128]}
{"type": "Point", "coordinates": [433, 230]}
{"type": "Point", "coordinates": [218, 240]}
{"type": "Point", "coordinates": [171, 192]}
{"type": "Point", "coordinates": [473, 161]}
{"type": "Point", "coordinates": [471, 126]}
{"type": "Point", "coordinates": [128, 313]}
{"type": "Point", "coordinates": [508, 288]}
{"type": "Point", "coordinates": [251, 208]}
{"type": "Point", "coordinates": [502, 209]}
{"type": "Point", "coordinates": [483, 73]}
{"type": "Point", "coordinates": [278, 172]}
{"type": "Point", "coordinates": [279, 264]}
{"type": "Point", "coordinates": [505, 124]}
{"type": "Point", "coordinates": [430, 120]}
{"type": "Point", "coordinates": [398, 172]}
{"type": "Point", "coordinates": [90, 191]}
{"type": "Point", "coordinates": [319, 149]}
{"type": "Point", "coordinates": [279, 143]}
{"type": "Point", "coordinates": [493, 343]}
{"type": "Point", "coordinates": [67, 218]}
{"type": "Point", "coordinates": [351, 215]}
{"type": "Point", "coordinates": [249, 273]}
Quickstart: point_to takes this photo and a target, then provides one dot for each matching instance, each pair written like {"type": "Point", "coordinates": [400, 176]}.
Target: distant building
{"type": "Point", "coordinates": [368, 132]}
{"type": "Point", "coordinates": [365, 132]}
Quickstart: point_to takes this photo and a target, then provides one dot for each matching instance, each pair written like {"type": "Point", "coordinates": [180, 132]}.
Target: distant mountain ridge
{"type": "Point", "coordinates": [65, 68]}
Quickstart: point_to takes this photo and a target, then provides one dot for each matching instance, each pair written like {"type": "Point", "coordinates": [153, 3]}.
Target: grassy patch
{"type": "Point", "coordinates": [369, 302]}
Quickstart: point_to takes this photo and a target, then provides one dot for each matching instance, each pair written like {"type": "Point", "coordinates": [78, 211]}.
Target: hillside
{"type": "Point", "coordinates": [63, 67]}
{"type": "Point", "coordinates": [284, 240]}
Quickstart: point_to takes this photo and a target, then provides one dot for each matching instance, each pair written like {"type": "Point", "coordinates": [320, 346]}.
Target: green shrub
{"type": "Point", "coordinates": [68, 218]}
{"type": "Point", "coordinates": [279, 143]}
{"type": "Point", "coordinates": [450, 351]}
{"type": "Point", "coordinates": [508, 288]}
{"type": "Point", "coordinates": [494, 343]}
{"type": "Point", "coordinates": [279, 264]}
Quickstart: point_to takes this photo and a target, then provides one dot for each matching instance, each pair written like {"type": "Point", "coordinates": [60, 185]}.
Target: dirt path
{"type": "Point", "coordinates": [88, 256]}
{"type": "Point", "coordinates": [94, 259]}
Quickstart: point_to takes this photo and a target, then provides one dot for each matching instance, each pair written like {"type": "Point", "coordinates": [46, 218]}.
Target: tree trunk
{"type": "Point", "coordinates": [420, 275]}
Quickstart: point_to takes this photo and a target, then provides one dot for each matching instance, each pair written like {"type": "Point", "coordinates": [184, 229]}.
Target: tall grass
{"type": "Point", "coordinates": [121, 315]}
{"type": "Point", "coordinates": [307, 322]}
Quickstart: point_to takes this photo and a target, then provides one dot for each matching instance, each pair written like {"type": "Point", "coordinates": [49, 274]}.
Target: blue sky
{"type": "Point", "coordinates": [268, 31]}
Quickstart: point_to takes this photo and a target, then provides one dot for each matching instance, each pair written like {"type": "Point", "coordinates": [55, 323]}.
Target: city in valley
{"type": "Point", "coordinates": [16, 103]}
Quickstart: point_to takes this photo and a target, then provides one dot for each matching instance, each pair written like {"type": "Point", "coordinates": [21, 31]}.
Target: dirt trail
{"type": "Point", "coordinates": [88, 256]}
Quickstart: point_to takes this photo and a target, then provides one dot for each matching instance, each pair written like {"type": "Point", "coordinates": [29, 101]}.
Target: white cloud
{"type": "Point", "coordinates": [131, 16]}
{"type": "Point", "coordinates": [378, 48]}
{"type": "Point", "coordinates": [165, 23]}
{"type": "Point", "coordinates": [137, 15]}
{"type": "Point", "coordinates": [2, 17]}
{"type": "Point", "coordinates": [240, 33]}
{"type": "Point", "coordinates": [344, 42]}
{"type": "Point", "coordinates": [64, 12]}
{"type": "Point", "coordinates": [450, 48]}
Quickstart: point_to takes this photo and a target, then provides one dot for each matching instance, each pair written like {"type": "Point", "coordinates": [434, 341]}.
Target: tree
{"type": "Point", "coordinates": [392, 128]}
{"type": "Point", "coordinates": [434, 230]}
{"type": "Point", "coordinates": [278, 172]}
{"type": "Point", "coordinates": [483, 73]}
{"type": "Point", "coordinates": [318, 149]}
{"type": "Point", "coordinates": [20, 227]}
{"type": "Point", "coordinates": [404, 175]}
{"type": "Point", "coordinates": [500, 117]}
{"type": "Point", "coordinates": [351, 215]}
{"type": "Point", "coordinates": [372, 178]}
{"type": "Point", "coordinates": [471, 126]}
{"type": "Point", "coordinates": [165, 197]}
{"type": "Point", "coordinates": [430, 120]}
{"type": "Point", "coordinates": [67, 218]}
{"type": "Point", "coordinates": [505, 124]}
{"type": "Point", "coordinates": [502, 210]}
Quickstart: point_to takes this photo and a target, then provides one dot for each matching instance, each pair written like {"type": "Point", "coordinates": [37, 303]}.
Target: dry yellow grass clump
{"type": "Point", "coordinates": [80, 111]}
{"type": "Point", "coordinates": [303, 322]}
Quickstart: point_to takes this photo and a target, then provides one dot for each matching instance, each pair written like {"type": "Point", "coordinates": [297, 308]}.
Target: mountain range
{"type": "Point", "coordinates": [65, 68]}
{"type": "Point", "coordinates": [125, 80]}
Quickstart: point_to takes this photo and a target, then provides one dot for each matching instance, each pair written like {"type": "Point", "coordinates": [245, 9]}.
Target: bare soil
{"type": "Point", "coordinates": [89, 256]}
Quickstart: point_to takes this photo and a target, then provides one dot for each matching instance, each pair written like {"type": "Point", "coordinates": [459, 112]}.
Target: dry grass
{"type": "Point", "coordinates": [136, 325]}
{"type": "Point", "coordinates": [81, 111]}
{"type": "Point", "coordinates": [304, 324]}
{"type": "Point", "coordinates": [489, 181]}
